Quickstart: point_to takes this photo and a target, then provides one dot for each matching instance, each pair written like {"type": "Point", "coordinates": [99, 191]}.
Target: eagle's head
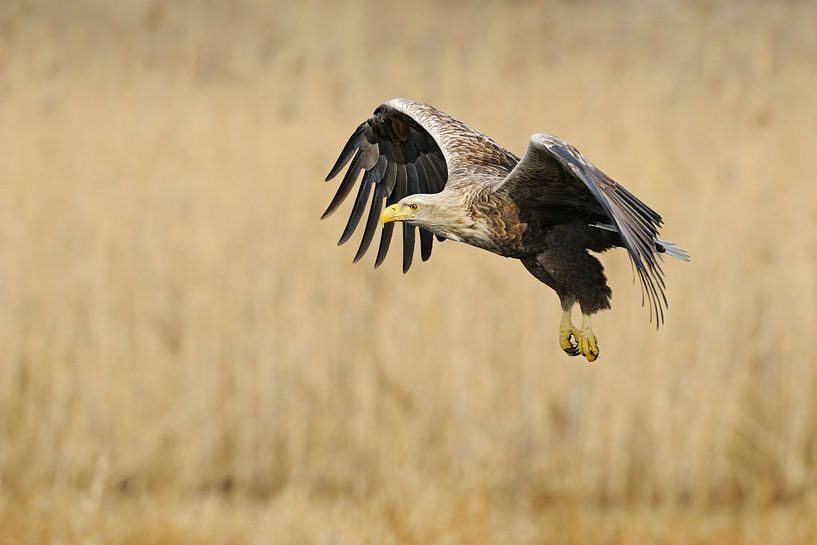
{"type": "Point", "coordinates": [436, 212]}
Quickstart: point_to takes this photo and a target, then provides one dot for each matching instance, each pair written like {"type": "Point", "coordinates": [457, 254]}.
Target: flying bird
{"type": "Point", "coordinates": [443, 179]}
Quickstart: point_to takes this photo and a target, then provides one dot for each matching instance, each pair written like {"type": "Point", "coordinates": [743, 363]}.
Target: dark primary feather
{"type": "Point", "coordinates": [413, 182]}
{"type": "Point", "coordinates": [371, 222]}
{"type": "Point", "coordinates": [554, 172]}
{"type": "Point", "coordinates": [397, 192]}
{"type": "Point", "coordinates": [371, 177]}
{"type": "Point", "coordinates": [346, 185]}
{"type": "Point", "coordinates": [399, 158]}
{"type": "Point", "coordinates": [385, 242]}
{"type": "Point", "coordinates": [348, 150]}
{"type": "Point", "coordinates": [408, 245]}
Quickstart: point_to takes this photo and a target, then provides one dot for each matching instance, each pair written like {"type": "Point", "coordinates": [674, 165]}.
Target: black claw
{"type": "Point", "coordinates": [574, 351]}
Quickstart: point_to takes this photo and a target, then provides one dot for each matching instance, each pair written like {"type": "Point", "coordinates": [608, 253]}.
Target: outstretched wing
{"type": "Point", "coordinates": [554, 173]}
{"type": "Point", "coordinates": [407, 147]}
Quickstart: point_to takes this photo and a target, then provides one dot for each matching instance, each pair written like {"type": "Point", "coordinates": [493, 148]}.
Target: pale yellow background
{"type": "Point", "coordinates": [187, 357]}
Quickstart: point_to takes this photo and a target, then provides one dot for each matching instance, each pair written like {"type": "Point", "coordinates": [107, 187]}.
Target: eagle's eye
{"type": "Point", "coordinates": [413, 206]}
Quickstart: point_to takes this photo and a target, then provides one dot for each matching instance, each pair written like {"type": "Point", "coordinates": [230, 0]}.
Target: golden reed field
{"type": "Point", "coordinates": [187, 358]}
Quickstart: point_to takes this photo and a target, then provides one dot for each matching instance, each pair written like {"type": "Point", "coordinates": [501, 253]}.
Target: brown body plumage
{"type": "Point", "coordinates": [547, 209]}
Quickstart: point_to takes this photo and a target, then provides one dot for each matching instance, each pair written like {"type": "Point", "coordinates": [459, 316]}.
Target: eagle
{"type": "Point", "coordinates": [550, 209]}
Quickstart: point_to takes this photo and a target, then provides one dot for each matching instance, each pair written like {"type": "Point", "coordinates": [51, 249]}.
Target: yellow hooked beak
{"type": "Point", "coordinates": [395, 212]}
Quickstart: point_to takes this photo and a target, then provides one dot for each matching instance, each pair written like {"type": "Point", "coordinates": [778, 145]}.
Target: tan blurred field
{"type": "Point", "coordinates": [186, 357]}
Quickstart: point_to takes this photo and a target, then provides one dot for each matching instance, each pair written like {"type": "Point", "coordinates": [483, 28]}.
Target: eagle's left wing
{"type": "Point", "coordinates": [553, 173]}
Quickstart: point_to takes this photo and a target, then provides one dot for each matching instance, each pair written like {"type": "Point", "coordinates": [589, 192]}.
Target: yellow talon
{"type": "Point", "coordinates": [576, 341]}
{"type": "Point", "coordinates": [567, 331]}
{"type": "Point", "coordinates": [587, 344]}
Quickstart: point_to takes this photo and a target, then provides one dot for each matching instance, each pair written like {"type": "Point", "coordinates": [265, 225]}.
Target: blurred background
{"type": "Point", "coordinates": [187, 357]}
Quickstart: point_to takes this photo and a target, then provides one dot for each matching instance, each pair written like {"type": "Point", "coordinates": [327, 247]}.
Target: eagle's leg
{"type": "Point", "coordinates": [586, 340]}
{"type": "Point", "coordinates": [568, 333]}
{"type": "Point", "coordinates": [576, 277]}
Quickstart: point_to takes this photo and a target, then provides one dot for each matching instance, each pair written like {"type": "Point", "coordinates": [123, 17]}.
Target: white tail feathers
{"type": "Point", "coordinates": [663, 246]}
{"type": "Point", "coordinates": [671, 249]}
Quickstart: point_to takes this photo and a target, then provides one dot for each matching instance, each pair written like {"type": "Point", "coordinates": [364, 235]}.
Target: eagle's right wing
{"type": "Point", "coordinates": [408, 147]}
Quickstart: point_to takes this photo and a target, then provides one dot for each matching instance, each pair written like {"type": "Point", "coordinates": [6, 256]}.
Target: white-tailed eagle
{"type": "Point", "coordinates": [438, 175]}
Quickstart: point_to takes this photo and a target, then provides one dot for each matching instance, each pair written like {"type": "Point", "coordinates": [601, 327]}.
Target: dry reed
{"type": "Point", "coordinates": [185, 356]}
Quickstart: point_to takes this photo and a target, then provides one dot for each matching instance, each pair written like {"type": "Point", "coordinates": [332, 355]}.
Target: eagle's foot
{"type": "Point", "coordinates": [588, 346]}
{"type": "Point", "coordinates": [569, 335]}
